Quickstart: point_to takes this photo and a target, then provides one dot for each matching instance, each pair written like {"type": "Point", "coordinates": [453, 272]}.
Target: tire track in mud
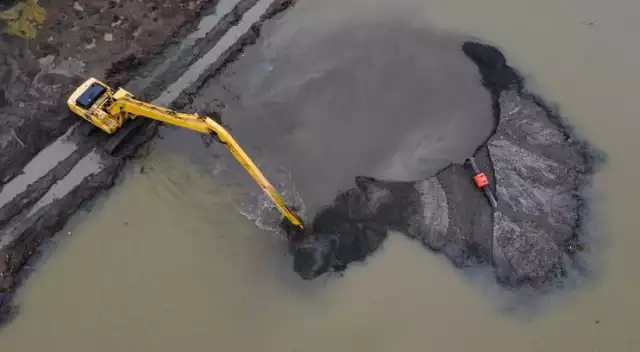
{"type": "Point", "coordinates": [28, 220]}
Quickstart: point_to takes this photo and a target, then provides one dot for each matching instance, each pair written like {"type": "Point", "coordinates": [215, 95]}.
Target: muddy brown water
{"type": "Point", "coordinates": [166, 262]}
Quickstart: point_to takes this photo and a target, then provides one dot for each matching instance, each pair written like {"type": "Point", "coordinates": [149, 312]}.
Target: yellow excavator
{"type": "Point", "coordinates": [110, 109]}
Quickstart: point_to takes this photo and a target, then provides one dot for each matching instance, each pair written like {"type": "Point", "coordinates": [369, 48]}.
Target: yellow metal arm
{"type": "Point", "coordinates": [125, 107]}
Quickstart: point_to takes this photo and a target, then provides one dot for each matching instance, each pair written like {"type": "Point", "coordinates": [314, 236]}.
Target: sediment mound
{"type": "Point", "coordinates": [539, 171]}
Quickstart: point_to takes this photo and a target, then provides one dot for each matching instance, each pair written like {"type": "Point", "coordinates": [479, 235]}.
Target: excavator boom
{"type": "Point", "coordinates": [109, 110]}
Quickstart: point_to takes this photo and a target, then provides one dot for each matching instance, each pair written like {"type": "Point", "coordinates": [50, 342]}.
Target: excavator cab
{"type": "Point", "coordinates": [92, 100]}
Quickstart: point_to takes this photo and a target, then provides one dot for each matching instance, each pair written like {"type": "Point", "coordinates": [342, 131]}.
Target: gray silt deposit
{"type": "Point", "coordinates": [538, 169]}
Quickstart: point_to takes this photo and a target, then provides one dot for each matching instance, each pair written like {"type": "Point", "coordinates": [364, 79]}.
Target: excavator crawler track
{"type": "Point", "coordinates": [116, 141]}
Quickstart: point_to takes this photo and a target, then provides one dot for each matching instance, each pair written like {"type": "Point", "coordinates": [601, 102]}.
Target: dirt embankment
{"type": "Point", "coordinates": [76, 39]}
{"type": "Point", "coordinates": [42, 60]}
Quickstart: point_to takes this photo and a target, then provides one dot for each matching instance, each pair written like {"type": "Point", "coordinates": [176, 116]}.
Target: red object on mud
{"type": "Point", "coordinates": [481, 180]}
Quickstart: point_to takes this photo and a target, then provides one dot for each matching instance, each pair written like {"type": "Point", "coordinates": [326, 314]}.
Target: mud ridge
{"type": "Point", "coordinates": [49, 220]}
{"type": "Point", "coordinates": [37, 189]}
{"type": "Point", "coordinates": [32, 229]}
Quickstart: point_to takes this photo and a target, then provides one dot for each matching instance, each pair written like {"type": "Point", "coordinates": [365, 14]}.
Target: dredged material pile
{"type": "Point", "coordinates": [539, 172]}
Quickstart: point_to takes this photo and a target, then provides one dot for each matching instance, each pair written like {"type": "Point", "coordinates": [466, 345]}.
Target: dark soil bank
{"type": "Point", "coordinates": [538, 170]}
{"type": "Point", "coordinates": [78, 39]}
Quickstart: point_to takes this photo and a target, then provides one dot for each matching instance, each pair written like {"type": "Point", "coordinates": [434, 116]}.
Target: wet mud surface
{"type": "Point", "coordinates": [234, 278]}
{"type": "Point", "coordinates": [317, 110]}
{"type": "Point", "coordinates": [409, 189]}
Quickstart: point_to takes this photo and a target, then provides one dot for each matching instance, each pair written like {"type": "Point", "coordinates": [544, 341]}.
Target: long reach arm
{"type": "Point", "coordinates": [126, 107]}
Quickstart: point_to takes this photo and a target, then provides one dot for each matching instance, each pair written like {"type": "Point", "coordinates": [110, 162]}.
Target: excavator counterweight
{"type": "Point", "coordinates": [109, 110]}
